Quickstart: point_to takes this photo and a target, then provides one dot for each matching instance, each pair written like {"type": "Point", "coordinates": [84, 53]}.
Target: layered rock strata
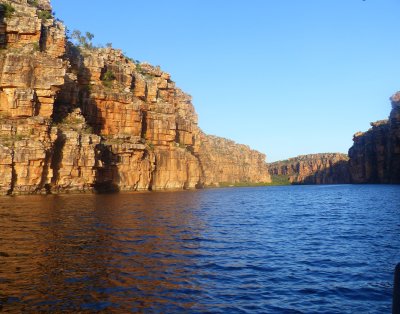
{"type": "Point", "coordinates": [223, 161]}
{"type": "Point", "coordinates": [77, 119]}
{"type": "Point", "coordinates": [31, 74]}
{"type": "Point", "coordinates": [375, 154]}
{"type": "Point", "coordinates": [329, 168]}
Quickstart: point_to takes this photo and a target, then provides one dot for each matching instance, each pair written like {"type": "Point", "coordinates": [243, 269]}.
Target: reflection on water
{"type": "Point", "coordinates": [250, 250]}
{"type": "Point", "coordinates": [93, 252]}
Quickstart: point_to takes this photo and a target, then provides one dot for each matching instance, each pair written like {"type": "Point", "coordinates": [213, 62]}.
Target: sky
{"type": "Point", "coordinates": [286, 77]}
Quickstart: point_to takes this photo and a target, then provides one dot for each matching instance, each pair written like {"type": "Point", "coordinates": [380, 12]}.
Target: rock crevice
{"type": "Point", "coordinates": [80, 119]}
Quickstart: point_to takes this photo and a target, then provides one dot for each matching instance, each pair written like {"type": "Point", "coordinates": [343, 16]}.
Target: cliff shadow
{"type": "Point", "coordinates": [3, 26]}
{"type": "Point", "coordinates": [57, 157]}
{"type": "Point", "coordinates": [79, 92]}
{"type": "Point", "coordinates": [107, 175]}
{"type": "Point", "coordinates": [66, 100]}
{"type": "Point", "coordinates": [339, 173]}
{"type": "Point", "coordinates": [43, 180]}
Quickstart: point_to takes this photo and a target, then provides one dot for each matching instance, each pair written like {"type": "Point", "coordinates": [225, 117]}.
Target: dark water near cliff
{"type": "Point", "coordinates": [299, 249]}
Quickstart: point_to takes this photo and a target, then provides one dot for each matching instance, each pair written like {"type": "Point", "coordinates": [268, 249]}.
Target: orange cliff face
{"type": "Point", "coordinates": [31, 73]}
{"type": "Point", "coordinates": [77, 119]}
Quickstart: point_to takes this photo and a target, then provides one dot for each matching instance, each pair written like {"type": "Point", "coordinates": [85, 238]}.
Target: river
{"type": "Point", "coordinates": [289, 249]}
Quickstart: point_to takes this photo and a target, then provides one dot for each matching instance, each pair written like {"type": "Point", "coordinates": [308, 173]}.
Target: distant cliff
{"type": "Point", "coordinates": [373, 158]}
{"type": "Point", "coordinates": [223, 161]}
{"type": "Point", "coordinates": [325, 168]}
{"type": "Point", "coordinates": [79, 118]}
{"type": "Point", "coordinates": [375, 154]}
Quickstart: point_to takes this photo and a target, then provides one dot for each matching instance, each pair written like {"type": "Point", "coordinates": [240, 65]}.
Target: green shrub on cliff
{"type": "Point", "coordinates": [108, 78]}
{"type": "Point", "coordinates": [44, 15]}
{"type": "Point", "coordinates": [83, 41]}
{"type": "Point", "coordinates": [34, 3]}
{"type": "Point", "coordinates": [9, 140]}
{"type": "Point", "coordinates": [138, 66]}
{"type": "Point", "coordinates": [8, 9]}
{"type": "Point", "coordinates": [36, 47]}
{"type": "Point", "coordinates": [150, 145]}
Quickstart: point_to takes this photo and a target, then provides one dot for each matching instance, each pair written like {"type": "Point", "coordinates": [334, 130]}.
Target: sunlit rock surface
{"type": "Point", "coordinates": [74, 119]}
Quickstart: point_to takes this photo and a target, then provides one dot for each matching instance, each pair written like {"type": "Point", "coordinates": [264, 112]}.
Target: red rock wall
{"type": "Point", "coordinates": [78, 119]}
{"type": "Point", "coordinates": [31, 74]}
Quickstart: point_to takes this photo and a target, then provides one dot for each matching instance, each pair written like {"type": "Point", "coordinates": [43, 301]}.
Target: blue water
{"type": "Point", "coordinates": [291, 249]}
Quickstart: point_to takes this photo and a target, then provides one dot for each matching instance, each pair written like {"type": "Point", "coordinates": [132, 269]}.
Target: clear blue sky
{"type": "Point", "coordinates": [286, 77]}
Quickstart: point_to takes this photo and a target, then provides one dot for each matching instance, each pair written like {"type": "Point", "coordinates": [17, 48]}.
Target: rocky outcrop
{"type": "Point", "coordinates": [31, 73]}
{"type": "Point", "coordinates": [223, 161]}
{"type": "Point", "coordinates": [148, 126]}
{"type": "Point", "coordinates": [375, 154]}
{"type": "Point", "coordinates": [329, 168]}
{"type": "Point", "coordinates": [78, 118]}
{"type": "Point", "coordinates": [75, 155]}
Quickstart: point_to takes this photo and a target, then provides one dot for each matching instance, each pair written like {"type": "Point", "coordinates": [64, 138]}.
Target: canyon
{"type": "Point", "coordinates": [76, 118]}
{"type": "Point", "coordinates": [79, 118]}
{"type": "Point", "coordinates": [373, 158]}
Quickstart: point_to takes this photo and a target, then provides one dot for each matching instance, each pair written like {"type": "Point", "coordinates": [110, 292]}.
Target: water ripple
{"type": "Point", "coordinates": [301, 249]}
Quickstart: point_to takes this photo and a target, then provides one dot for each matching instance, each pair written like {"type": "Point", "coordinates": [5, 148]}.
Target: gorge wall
{"type": "Point", "coordinates": [373, 158]}
{"type": "Point", "coordinates": [224, 161]}
{"type": "Point", "coordinates": [375, 154]}
{"type": "Point", "coordinates": [82, 118]}
{"type": "Point", "coordinates": [328, 168]}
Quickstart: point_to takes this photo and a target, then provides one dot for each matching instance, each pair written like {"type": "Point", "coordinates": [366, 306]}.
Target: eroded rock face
{"type": "Point", "coordinates": [31, 73]}
{"type": "Point", "coordinates": [224, 161]}
{"type": "Point", "coordinates": [313, 169]}
{"type": "Point", "coordinates": [152, 140]}
{"type": "Point", "coordinates": [147, 125]}
{"type": "Point", "coordinates": [375, 154]}
{"type": "Point", "coordinates": [75, 155]}
{"type": "Point", "coordinates": [78, 119]}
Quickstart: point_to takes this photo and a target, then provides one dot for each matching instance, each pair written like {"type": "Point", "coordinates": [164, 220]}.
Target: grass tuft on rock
{"type": "Point", "coordinates": [8, 10]}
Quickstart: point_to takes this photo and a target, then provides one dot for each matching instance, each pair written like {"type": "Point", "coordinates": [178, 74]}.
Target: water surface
{"type": "Point", "coordinates": [292, 249]}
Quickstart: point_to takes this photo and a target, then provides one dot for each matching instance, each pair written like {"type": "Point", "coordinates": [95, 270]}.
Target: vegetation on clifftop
{"type": "Point", "coordinates": [83, 40]}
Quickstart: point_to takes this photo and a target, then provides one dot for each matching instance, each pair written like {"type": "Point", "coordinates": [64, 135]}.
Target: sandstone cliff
{"type": "Point", "coordinates": [313, 169]}
{"type": "Point", "coordinates": [82, 118]}
{"type": "Point", "coordinates": [31, 73]}
{"type": "Point", "coordinates": [224, 161]}
{"type": "Point", "coordinates": [375, 154]}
